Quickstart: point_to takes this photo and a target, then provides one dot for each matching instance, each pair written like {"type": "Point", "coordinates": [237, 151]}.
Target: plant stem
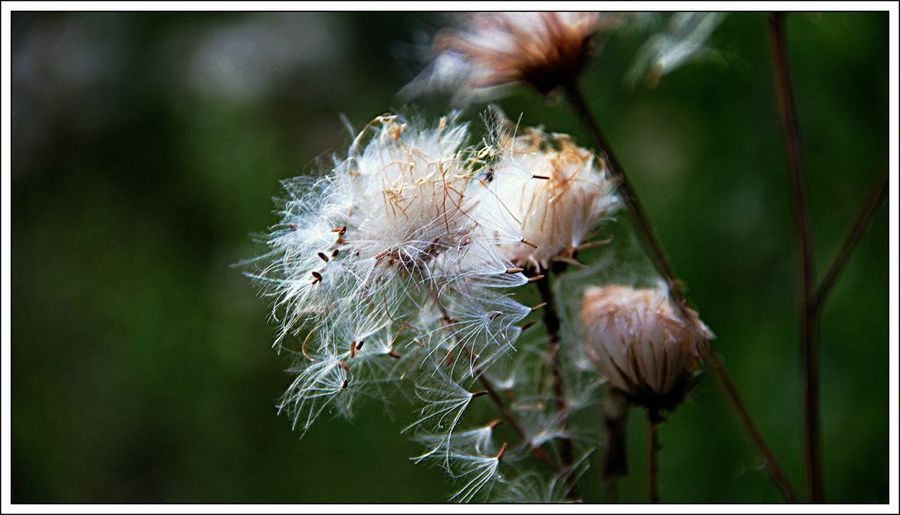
{"type": "Point", "coordinates": [779, 478]}
{"type": "Point", "coordinates": [645, 230]}
{"type": "Point", "coordinates": [809, 324]}
{"type": "Point", "coordinates": [552, 323]}
{"type": "Point", "coordinates": [652, 457]}
{"type": "Point", "coordinates": [615, 462]}
{"type": "Point", "coordinates": [859, 227]}
{"type": "Point", "coordinates": [658, 257]}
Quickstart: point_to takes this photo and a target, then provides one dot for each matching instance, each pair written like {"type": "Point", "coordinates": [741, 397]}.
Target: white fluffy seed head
{"type": "Point", "coordinates": [547, 191]}
{"type": "Point", "coordinates": [640, 342]}
{"type": "Point", "coordinates": [362, 251]}
{"type": "Point", "coordinates": [378, 219]}
{"type": "Point", "coordinates": [388, 277]}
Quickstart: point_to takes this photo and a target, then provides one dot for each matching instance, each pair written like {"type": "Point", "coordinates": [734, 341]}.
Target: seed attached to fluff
{"type": "Point", "coordinates": [641, 344]}
{"type": "Point", "coordinates": [551, 191]}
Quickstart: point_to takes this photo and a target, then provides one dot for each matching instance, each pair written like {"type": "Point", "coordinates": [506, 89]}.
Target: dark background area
{"type": "Point", "coordinates": [147, 148]}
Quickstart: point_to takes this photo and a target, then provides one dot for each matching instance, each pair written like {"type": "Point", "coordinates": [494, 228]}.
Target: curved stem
{"type": "Point", "coordinates": [809, 324]}
{"type": "Point", "coordinates": [663, 267]}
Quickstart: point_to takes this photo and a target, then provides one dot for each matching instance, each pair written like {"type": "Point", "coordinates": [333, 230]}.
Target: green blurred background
{"type": "Point", "coordinates": [147, 148]}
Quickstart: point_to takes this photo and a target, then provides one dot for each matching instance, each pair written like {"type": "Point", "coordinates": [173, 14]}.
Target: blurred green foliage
{"type": "Point", "coordinates": [147, 148]}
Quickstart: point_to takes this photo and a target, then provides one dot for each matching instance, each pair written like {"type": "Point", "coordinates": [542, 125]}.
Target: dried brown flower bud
{"type": "Point", "coordinates": [545, 50]}
{"type": "Point", "coordinates": [641, 343]}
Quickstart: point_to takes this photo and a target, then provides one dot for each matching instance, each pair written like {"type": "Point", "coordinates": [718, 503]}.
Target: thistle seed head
{"type": "Point", "coordinates": [392, 274]}
{"type": "Point", "coordinates": [407, 187]}
{"type": "Point", "coordinates": [552, 193]}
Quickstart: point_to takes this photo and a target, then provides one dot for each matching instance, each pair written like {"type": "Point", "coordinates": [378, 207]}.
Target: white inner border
{"type": "Point", "coordinates": [5, 186]}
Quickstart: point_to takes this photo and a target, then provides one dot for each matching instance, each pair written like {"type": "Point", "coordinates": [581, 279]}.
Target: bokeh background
{"type": "Point", "coordinates": [147, 148]}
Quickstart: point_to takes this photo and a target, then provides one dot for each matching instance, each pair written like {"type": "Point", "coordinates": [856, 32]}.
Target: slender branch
{"type": "Point", "coordinates": [629, 196]}
{"type": "Point", "coordinates": [653, 456]}
{"type": "Point", "coordinates": [660, 261]}
{"type": "Point", "coordinates": [771, 465]}
{"type": "Point", "coordinates": [809, 324]}
{"type": "Point", "coordinates": [615, 462]}
{"type": "Point", "coordinates": [508, 416]}
{"type": "Point", "coordinates": [878, 194]}
{"type": "Point", "coordinates": [551, 321]}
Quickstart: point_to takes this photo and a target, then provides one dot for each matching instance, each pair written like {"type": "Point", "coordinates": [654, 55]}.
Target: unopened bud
{"type": "Point", "coordinates": [642, 344]}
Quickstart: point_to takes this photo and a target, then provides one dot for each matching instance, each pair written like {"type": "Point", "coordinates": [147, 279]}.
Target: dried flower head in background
{"type": "Point", "coordinates": [552, 191]}
{"type": "Point", "coordinates": [643, 346]}
{"type": "Point", "coordinates": [544, 50]}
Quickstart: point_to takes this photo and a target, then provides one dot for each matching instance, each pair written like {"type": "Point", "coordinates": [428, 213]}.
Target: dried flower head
{"type": "Point", "coordinates": [552, 193]}
{"type": "Point", "coordinates": [641, 343]}
{"type": "Point", "coordinates": [544, 50]}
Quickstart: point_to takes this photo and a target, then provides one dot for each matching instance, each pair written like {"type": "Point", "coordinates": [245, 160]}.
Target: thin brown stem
{"type": "Point", "coordinates": [508, 416]}
{"type": "Point", "coordinates": [809, 323]}
{"type": "Point", "coordinates": [661, 263]}
{"type": "Point", "coordinates": [551, 322]}
{"type": "Point", "coordinates": [779, 478]}
{"type": "Point", "coordinates": [652, 457]}
{"type": "Point", "coordinates": [879, 192]}
{"type": "Point", "coordinates": [645, 231]}
{"type": "Point", "coordinates": [615, 426]}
